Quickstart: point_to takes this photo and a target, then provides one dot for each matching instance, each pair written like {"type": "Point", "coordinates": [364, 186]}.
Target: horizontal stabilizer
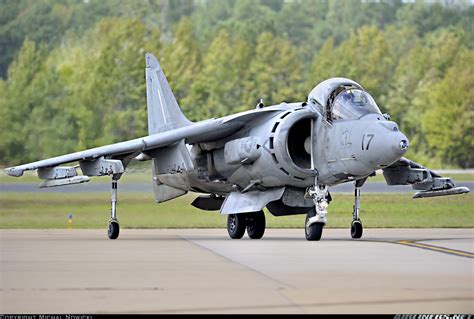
{"type": "Point", "coordinates": [442, 192]}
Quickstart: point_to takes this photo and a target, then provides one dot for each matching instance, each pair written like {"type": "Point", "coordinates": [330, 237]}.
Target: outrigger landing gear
{"type": "Point", "coordinates": [356, 226]}
{"type": "Point", "coordinates": [114, 228]}
{"type": "Point", "coordinates": [316, 217]}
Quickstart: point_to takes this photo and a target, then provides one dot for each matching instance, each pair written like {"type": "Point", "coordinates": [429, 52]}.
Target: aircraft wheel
{"type": "Point", "coordinates": [356, 229]}
{"type": "Point", "coordinates": [256, 224]}
{"type": "Point", "coordinates": [236, 225]}
{"type": "Point", "coordinates": [315, 231]}
{"type": "Point", "coordinates": [114, 229]}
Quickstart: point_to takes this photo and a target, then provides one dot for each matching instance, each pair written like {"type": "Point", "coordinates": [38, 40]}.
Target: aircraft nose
{"type": "Point", "coordinates": [398, 147]}
{"type": "Point", "coordinates": [382, 144]}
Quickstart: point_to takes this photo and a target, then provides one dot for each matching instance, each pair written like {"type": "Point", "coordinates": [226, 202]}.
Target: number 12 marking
{"type": "Point", "coordinates": [370, 137]}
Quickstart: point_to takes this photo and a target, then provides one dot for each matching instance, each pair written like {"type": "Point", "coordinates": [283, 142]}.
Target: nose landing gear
{"type": "Point", "coordinates": [356, 226]}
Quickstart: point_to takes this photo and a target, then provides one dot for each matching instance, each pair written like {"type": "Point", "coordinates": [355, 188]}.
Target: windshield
{"type": "Point", "coordinates": [353, 104]}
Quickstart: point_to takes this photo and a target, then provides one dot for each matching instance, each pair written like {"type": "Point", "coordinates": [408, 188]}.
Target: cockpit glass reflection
{"type": "Point", "coordinates": [353, 104]}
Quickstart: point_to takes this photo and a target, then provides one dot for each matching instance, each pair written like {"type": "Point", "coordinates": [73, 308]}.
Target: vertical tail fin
{"type": "Point", "coordinates": [164, 113]}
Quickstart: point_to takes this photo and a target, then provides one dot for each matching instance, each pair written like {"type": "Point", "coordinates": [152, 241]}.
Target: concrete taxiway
{"type": "Point", "coordinates": [203, 271]}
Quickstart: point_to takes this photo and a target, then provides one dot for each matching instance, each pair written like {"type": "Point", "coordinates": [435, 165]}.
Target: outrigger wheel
{"type": "Point", "coordinates": [114, 229]}
{"type": "Point", "coordinates": [356, 229]}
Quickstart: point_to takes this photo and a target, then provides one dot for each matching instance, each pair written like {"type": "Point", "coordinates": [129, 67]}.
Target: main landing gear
{"type": "Point", "coordinates": [254, 222]}
{"type": "Point", "coordinates": [316, 217]}
{"type": "Point", "coordinates": [114, 228]}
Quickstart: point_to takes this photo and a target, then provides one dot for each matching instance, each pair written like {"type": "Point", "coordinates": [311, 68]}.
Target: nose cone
{"type": "Point", "coordinates": [382, 144]}
{"type": "Point", "coordinates": [403, 145]}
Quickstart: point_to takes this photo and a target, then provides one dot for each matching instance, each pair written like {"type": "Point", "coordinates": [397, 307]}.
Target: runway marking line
{"type": "Point", "coordinates": [445, 250]}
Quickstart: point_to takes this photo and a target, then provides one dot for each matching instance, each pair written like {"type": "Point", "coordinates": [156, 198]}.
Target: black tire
{"type": "Point", "coordinates": [356, 229]}
{"type": "Point", "coordinates": [236, 225]}
{"type": "Point", "coordinates": [315, 231]}
{"type": "Point", "coordinates": [256, 224]}
{"type": "Point", "coordinates": [114, 229]}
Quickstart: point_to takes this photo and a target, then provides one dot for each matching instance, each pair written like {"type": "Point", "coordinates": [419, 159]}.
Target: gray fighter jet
{"type": "Point", "coordinates": [283, 157]}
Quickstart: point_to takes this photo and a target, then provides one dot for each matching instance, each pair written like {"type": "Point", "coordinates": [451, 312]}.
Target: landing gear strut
{"type": "Point", "coordinates": [114, 228]}
{"type": "Point", "coordinates": [316, 217]}
{"type": "Point", "coordinates": [356, 226]}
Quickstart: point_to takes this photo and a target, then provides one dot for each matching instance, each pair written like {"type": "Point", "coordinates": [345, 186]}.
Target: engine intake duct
{"type": "Point", "coordinates": [299, 143]}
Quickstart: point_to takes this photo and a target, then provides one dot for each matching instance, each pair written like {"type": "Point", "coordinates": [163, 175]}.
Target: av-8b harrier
{"type": "Point", "coordinates": [282, 157]}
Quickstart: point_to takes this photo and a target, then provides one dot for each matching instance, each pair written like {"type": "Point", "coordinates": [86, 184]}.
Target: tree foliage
{"type": "Point", "coordinates": [275, 73]}
{"type": "Point", "coordinates": [72, 71]}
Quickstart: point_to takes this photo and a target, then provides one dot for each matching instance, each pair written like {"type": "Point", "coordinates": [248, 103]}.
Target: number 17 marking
{"type": "Point", "coordinates": [370, 137]}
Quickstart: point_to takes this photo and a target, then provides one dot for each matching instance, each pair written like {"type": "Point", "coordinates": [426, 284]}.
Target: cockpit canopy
{"type": "Point", "coordinates": [352, 104]}
{"type": "Point", "coordinates": [341, 98]}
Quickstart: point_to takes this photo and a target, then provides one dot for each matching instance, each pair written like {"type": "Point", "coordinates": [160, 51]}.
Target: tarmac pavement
{"type": "Point", "coordinates": [204, 271]}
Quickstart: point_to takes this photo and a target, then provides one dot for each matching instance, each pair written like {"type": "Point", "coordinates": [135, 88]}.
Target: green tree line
{"type": "Point", "coordinates": [72, 71]}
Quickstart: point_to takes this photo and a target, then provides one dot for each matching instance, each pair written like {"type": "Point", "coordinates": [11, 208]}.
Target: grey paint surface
{"type": "Point", "coordinates": [203, 271]}
{"type": "Point", "coordinates": [370, 187]}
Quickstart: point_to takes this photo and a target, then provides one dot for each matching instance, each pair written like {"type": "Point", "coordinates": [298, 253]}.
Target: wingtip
{"type": "Point", "coordinates": [152, 61]}
{"type": "Point", "coordinates": [465, 189]}
{"type": "Point", "coordinates": [12, 171]}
